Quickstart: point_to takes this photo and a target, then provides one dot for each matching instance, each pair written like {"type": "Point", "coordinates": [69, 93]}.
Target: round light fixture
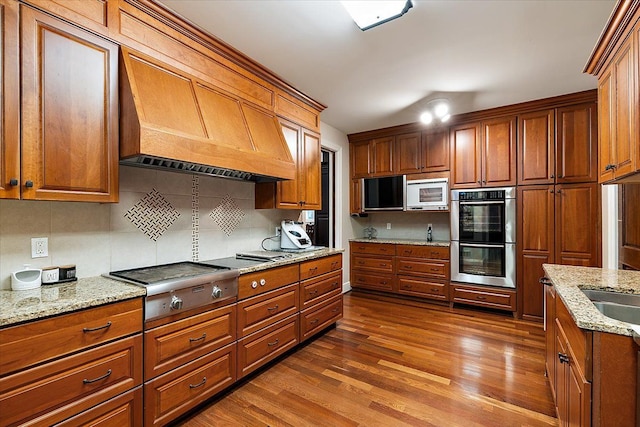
{"type": "Point", "coordinates": [426, 118]}
{"type": "Point", "coordinates": [441, 110]}
{"type": "Point", "coordinates": [436, 109]}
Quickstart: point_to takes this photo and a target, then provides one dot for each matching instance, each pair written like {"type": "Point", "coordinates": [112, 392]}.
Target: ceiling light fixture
{"type": "Point", "coordinates": [436, 109]}
{"type": "Point", "coordinates": [369, 14]}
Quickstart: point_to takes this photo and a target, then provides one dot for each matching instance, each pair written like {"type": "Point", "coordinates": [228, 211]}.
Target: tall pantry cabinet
{"type": "Point", "coordinates": [558, 196]}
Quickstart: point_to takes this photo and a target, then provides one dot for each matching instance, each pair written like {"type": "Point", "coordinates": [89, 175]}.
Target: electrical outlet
{"type": "Point", "coordinates": [278, 231]}
{"type": "Point", "coordinates": [388, 226]}
{"type": "Point", "coordinates": [39, 247]}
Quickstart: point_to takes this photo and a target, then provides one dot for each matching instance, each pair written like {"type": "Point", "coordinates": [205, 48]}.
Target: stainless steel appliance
{"type": "Point", "coordinates": [182, 286]}
{"type": "Point", "coordinates": [427, 194]}
{"type": "Point", "coordinates": [483, 236]}
{"type": "Point", "coordinates": [383, 194]}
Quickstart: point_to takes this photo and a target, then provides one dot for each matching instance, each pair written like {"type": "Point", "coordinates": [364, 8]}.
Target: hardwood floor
{"type": "Point", "coordinates": [400, 364]}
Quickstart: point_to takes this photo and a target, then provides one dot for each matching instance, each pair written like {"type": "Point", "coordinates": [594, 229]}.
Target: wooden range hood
{"type": "Point", "coordinates": [172, 120]}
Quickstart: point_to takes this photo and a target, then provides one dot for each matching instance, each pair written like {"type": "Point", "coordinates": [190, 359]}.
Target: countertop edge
{"type": "Point", "coordinates": [298, 257]}
{"type": "Point", "coordinates": [416, 242]}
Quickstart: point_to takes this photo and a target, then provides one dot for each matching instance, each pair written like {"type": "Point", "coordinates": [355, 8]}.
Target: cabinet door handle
{"type": "Point", "coordinates": [105, 326]}
{"type": "Point", "coordinates": [552, 176]}
{"type": "Point", "coordinates": [102, 377]}
{"type": "Point", "coordinates": [558, 191]}
{"type": "Point", "coordinates": [479, 182]}
{"type": "Point", "coordinates": [271, 344]}
{"type": "Point", "coordinates": [272, 308]}
{"type": "Point", "coordinates": [545, 281]}
{"type": "Point", "coordinates": [200, 384]}
{"type": "Point", "coordinates": [610, 167]}
{"type": "Point", "coordinates": [204, 335]}
{"type": "Point", "coordinates": [13, 182]}
{"type": "Point", "coordinates": [28, 184]}
{"type": "Point", "coordinates": [563, 358]}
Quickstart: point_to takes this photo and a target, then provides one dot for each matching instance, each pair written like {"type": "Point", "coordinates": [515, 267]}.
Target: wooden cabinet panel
{"type": "Point", "coordinates": [90, 14]}
{"type": "Point", "coordinates": [124, 410]}
{"type": "Point", "coordinates": [551, 355]}
{"type": "Point", "coordinates": [258, 312]}
{"type": "Point", "coordinates": [499, 152]}
{"type": "Point", "coordinates": [316, 267]}
{"type": "Point", "coordinates": [408, 153]}
{"type": "Point", "coordinates": [263, 346]}
{"type": "Point", "coordinates": [172, 345]}
{"type": "Point", "coordinates": [174, 393]}
{"type": "Point", "coordinates": [256, 283]}
{"type": "Point", "coordinates": [624, 114]}
{"type": "Point", "coordinates": [502, 299]}
{"type": "Point", "coordinates": [361, 159]}
{"type": "Point", "coordinates": [466, 156]}
{"type": "Point", "coordinates": [315, 319]}
{"type": "Point", "coordinates": [294, 110]}
{"type": "Point", "coordinates": [576, 144]}
{"type": "Point", "coordinates": [536, 147]}
{"type": "Point", "coordinates": [355, 197]}
{"type": "Point", "coordinates": [433, 252]}
{"type": "Point", "coordinates": [435, 150]}
{"type": "Point", "coordinates": [35, 342]}
{"type": "Point", "coordinates": [309, 170]}
{"type": "Point", "coordinates": [423, 288]}
{"type": "Point", "coordinates": [374, 281]}
{"type": "Point", "coordinates": [9, 101]}
{"type": "Point", "coordinates": [630, 226]}
{"type": "Point", "coordinates": [606, 123]}
{"type": "Point", "coordinates": [577, 224]}
{"type": "Point", "coordinates": [383, 158]}
{"type": "Point", "coordinates": [52, 392]}
{"type": "Point", "coordinates": [377, 264]}
{"type": "Point", "coordinates": [320, 288]}
{"type": "Point", "coordinates": [373, 248]}
{"type": "Point", "coordinates": [288, 191]}
{"type": "Point", "coordinates": [423, 267]}
{"type": "Point", "coordinates": [69, 130]}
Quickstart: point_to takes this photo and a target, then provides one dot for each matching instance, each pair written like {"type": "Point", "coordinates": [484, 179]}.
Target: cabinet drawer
{"type": "Point", "coordinates": [423, 288]}
{"type": "Point", "coordinates": [320, 266]}
{"type": "Point", "coordinates": [25, 345]}
{"type": "Point", "coordinates": [502, 299]}
{"type": "Point", "coordinates": [417, 267]}
{"type": "Point", "coordinates": [124, 410]}
{"type": "Point", "coordinates": [378, 282]}
{"type": "Point", "coordinates": [578, 340]}
{"type": "Point", "coordinates": [419, 251]}
{"type": "Point", "coordinates": [320, 288]}
{"type": "Point", "coordinates": [374, 264]}
{"type": "Point", "coordinates": [174, 393]}
{"type": "Point", "coordinates": [177, 343]}
{"type": "Point", "coordinates": [54, 391]}
{"type": "Point", "coordinates": [373, 248]}
{"type": "Point", "coordinates": [266, 280]}
{"type": "Point", "coordinates": [267, 344]}
{"type": "Point", "coordinates": [264, 310]}
{"type": "Point", "coordinates": [317, 318]}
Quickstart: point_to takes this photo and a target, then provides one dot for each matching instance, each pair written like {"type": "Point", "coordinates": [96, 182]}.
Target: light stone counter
{"type": "Point", "coordinates": [244, 266]}
{"type": "Point", "coordinates": [569, 280]}
{"type": "Point", "coordinates": [51, 300]}
{"type": "Point", "coordinates": [420, 242]}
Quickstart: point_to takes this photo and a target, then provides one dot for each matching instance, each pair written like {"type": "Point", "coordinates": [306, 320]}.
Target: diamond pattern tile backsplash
{"type": "Point", "coordinates": [227, 215]}
{"type": "Point", "coordinates": [153, 215]}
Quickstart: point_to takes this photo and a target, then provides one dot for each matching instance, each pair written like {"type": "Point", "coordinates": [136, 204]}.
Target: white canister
{"type": "Point", "coordinates": [50, 275]}
{"type": "Point", "coordinates": [26, 279]}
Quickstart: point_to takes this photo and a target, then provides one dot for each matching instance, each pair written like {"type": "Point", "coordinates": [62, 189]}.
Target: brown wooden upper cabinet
{"type": "Point", "coordinates": [69, 130]}
{"type": "Point", "coordinates": [360, 159]}
{"type": "Point", "coordinates": [558, 145]}
{"type": "Point", "coordinates": [382, 150]}
{"type": "Point", "coordinates": [483, 153]}
{"type": "Point", "coordinates": [615, 62]}
{"type": "Point", "coordinates": [10, 102]}
{"type": "Point", "coordinates": [303, 192]}
{"type": "Point", "coordinates": [422, 152]}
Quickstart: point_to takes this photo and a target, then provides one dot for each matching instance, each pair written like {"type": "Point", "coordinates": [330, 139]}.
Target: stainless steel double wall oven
{"type": "Point", "coordinates": [483, 236]}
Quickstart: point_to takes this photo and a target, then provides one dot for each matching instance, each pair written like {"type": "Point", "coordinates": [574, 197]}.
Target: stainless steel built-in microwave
{"type": "Point", "coordinates": [427, 195]}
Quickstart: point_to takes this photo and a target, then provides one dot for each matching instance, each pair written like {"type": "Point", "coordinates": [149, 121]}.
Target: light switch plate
{"type": "Point", "coordinates": [39, 247]}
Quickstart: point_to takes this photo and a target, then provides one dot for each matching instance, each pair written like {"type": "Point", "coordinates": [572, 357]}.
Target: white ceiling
{"type": "Point", "coordinates": [478, 54]}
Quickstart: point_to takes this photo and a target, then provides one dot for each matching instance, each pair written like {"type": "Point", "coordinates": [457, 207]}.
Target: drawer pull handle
{"type": "Point", "coordinates": [433, 254]}
{"type": "Point", "coordinates": [271, 344]}
{"type": "Point", "coordinates": [204, 335]}
{"type": "Point", "coordinates": [407, 267]}
{"type": "Point", "coordinates": [335, 310]}
{"type": "Point", "coordinates": [200, 384]}
{"type": "Point", "coordinates": [314, 269]}
{"type": "Point", "coordinates": [382, 264]}
{"type": "Point", "coordinates": [407, 287]}
{"type": "Point", "coordinates": [334, 264]}
{"type": "Point", "coordinates": [361, 262]}
{"type": "Point", "coordinates": [384, 282]}
{"type": "Point", "coordinates": [334, 285]}
{"type": "Point", "coordinates": [545, 281]}
{"type": "Point", "coordinates": [481, 298]}
{"type": "Point", "coordinates": [313, 292]}
{"type": "Point", "coordinates": [361, 248]}
{"type": "Point", "coordinates": [435, 290]}
{"type": "Point", "coordinates": [435, 270]}
{"type": "Point", "coordinates": [314, 321]}
{"type": "Point", "coordinates": [407, 251]}
{"type": "Point", "coordinates": [105, 326]}
{"type": "Point", "coordinates": [86, 381]}
{"type": "Point", "coordinates": [272, 308]}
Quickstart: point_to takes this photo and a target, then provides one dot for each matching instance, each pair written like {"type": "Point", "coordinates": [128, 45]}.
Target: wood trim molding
{"type": "Point", "coordinates": [514, 109]}
{"type": "Point", "coordinates": [620, 18]}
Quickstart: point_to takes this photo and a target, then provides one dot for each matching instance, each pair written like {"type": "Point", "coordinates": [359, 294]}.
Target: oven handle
{"type": "Point", "coordinates": [488, 202]}
{"type": "Point", "coordinates": [476, 245]}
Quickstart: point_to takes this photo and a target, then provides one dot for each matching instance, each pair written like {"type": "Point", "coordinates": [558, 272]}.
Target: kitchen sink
{"type": "Point", "coordinates": [619, 306]}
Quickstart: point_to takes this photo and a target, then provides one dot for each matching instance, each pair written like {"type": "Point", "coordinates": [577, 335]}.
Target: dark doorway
{"type": "Point", "coordinates": [323, 224]}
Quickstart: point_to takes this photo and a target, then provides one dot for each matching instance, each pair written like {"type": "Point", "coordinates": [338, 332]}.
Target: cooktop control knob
{"type": "Point", "coordinates": [216, 293]}
{"type": "Point", "coordinates": [176, 303]}
{"type": "Point", "coordinates": [254, 284]}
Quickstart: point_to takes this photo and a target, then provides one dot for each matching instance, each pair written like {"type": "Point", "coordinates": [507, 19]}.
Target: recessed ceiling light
{"type": "Point", "coordinates": [426, 118]}
{"type": "Point", "coordinates": [368, 14]}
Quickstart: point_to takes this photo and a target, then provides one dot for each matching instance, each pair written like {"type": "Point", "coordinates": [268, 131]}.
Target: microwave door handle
{"type": "Point", "coordinates": [499, 202]}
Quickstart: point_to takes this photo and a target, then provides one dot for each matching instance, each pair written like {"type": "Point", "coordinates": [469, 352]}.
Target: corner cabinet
{"type": "Point", "coordinates": [483, 154]}
{"type": "Point", "coordinates": [69, 111]}
{"type": "Point", "coordinates": [10, 101]}
{"type": "Point", "coordinates": [303, 192]}
{"type": "Point", "coordinates": [615, 61]}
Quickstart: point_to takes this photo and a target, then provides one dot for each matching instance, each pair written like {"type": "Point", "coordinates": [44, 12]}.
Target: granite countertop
{"type": "Point", "coordinates": [420, 242]}
{"type": "Point", "coordinates": [569, 280]}
{"type": "Point", "coordinates": [50, 300]}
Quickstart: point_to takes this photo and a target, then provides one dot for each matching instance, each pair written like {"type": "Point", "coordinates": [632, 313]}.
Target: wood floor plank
{"type": "Point", "coordinates": [399, 363]}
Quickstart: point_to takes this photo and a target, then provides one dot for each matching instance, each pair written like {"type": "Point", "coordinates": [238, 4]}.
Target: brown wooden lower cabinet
{"type": "Point", "coordinates": [172, 394]}
{"type": "Point", "coordinates": [320, 316]}
{"type": "Point", "coordinates": [491, 297]}
{"type": "Point", "coordinates": [376, 282]}
{"type": "Point", "coordinates": [423, 288]}
{"type": "Point", "coordinates": [124, 410]}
